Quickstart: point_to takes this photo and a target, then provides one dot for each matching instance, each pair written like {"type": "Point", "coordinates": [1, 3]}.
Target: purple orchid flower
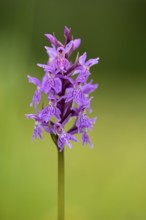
{"type": "Point", "coordinates": [63, 137]}
{"type": "Point", "coordinates": [58, 57]}
{"type": "Point", "coordinates": [61, 63]}
{"type": "Point", "coordinates": [83, 122]}
{"type": "Point", "coordinates": [39, 125]}
{"type": "Point", "coordinates": [51, 110]}
{"type": "Point", "coordinates": [51, 82]}
{"type": "Point", "coordinates": [86, 140]}
{"type": "Point", "coordinates": [84, 67]}
{"type": "Point", "coordinates": [37, 95]}
{"type": "Point", "coordinates": [68, 95]}
{"type": "Point", "coordinates": [78, 93]}
{"type": "Point", "coordinates": [75, 43]}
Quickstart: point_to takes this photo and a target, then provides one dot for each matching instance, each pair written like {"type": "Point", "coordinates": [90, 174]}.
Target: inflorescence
{"type": "Point", "coordinates": [67, 90]}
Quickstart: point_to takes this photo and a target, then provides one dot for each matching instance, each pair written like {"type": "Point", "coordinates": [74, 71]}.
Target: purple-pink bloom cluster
{"type": "Point", "coordinates": [65, 85]}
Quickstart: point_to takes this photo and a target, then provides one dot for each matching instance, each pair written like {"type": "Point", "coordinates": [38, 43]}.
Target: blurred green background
{"type": "Point", "coordinates": [108, 182]}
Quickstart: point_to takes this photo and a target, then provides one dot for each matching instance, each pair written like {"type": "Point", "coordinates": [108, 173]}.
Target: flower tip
{"type": "Point", "coordinates": [76, 43]}
{"type": "Point", "coordinates": [97, 85]}
{"type": "Point", "coordinates": [95, 119]}
{"type": "Point", "coordinates": [91, 146]}
{"type": "Point", "coordinates": [33, 137]}
{"type": "Point", "coordinates": [49, 36]}
{"type": "Point", "coordinates": [53, 40]}
{"type": "Point", "coordinates": [97, 59]}
{"type": "Point", "coordinates": [39, 65]}
{"type": "Point", "coordinates": [29, 78]}
{"type": "Point", "coordinates": [86, 140]}
{"type": "Point", "coordinates": [67, 30]}
{"type": "Point", "coordinates": [67, 34]}
{"type": "Point", "coordinates": [26, 115]}
{"type": "Point", "coordinates": [31, 104]}
{"type": "Point", "coordinates": [69, 146]}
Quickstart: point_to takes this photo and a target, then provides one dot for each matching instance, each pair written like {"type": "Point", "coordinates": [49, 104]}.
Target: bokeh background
{"type": "Point", "coordinates": [108, 182]}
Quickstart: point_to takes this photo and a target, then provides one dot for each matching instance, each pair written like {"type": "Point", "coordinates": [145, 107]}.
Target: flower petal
{"type": "Point", "coordinates": [76, 43]}
{"type": "Point", "coordinates": [86, 140]}
{"type": "Point", "coordinates": [34, 80]}
{"type": "Point", "coordinates": [53, 40]}
{"type": "Point", "coordinates": [82, 58]}
{"type": "Point", "coordinates": [92, 62]}
{"type": "Point", "coordinates": [88, 88]}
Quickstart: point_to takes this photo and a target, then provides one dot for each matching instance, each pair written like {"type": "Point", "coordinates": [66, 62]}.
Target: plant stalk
{"type": "Point", "coordinates": [61, 185]}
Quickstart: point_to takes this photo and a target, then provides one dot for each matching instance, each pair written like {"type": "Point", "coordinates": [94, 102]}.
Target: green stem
{"type": "Point", "coordinates": [61, 185]}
